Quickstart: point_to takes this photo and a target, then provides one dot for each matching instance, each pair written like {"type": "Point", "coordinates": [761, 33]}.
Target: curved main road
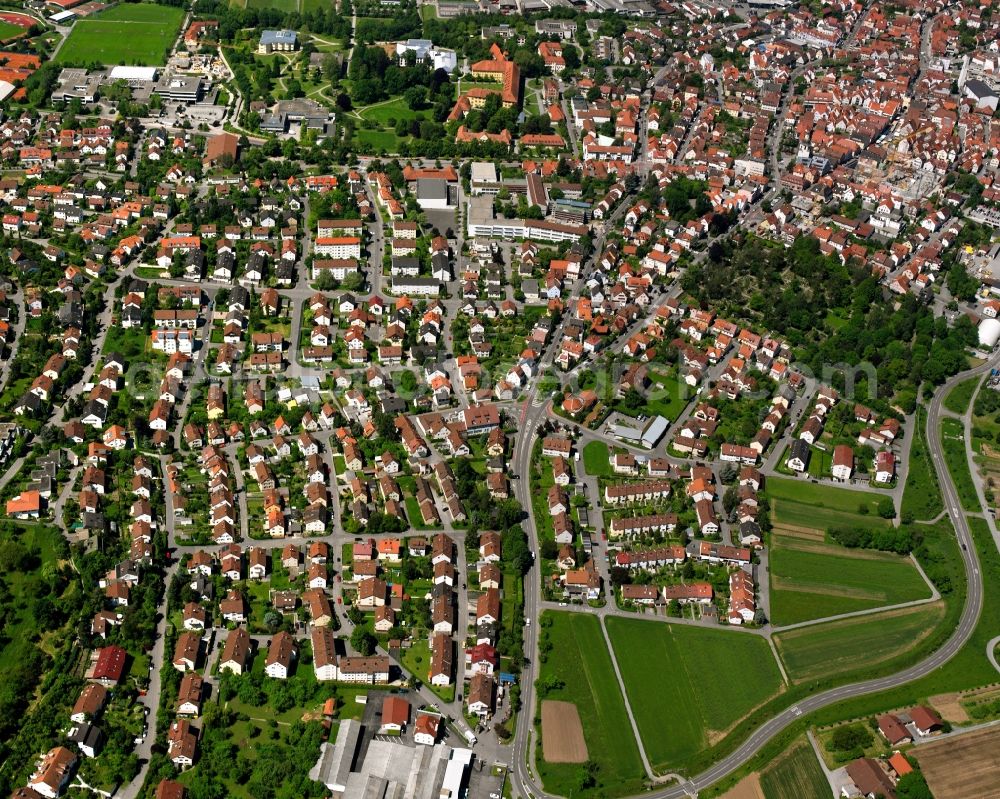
{"type": "Point", "coordinates": [523, 777]}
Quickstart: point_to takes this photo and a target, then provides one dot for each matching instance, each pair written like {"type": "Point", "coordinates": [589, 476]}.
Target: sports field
{"type": "Point", "coordinates": [8, 31]}
{"type": "Point", "coordinates": [687, 685]}
{"type": "Point", "coordinates": [579, 662]}
{"type": "Point", "coordinates": [134, 34]}
{"type": "Point", "coordinates": [794, 775]}
{"type": "Point", "coordinates": [813, 580]}
{"type": "Point", "coordinates": [824, 651]}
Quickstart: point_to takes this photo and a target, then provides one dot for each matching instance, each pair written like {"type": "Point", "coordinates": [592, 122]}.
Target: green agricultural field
{"type": "Point", "coordinates": [823, 651]}
{"type": "Point", "coordinates": [679, 712]}
{"type": "Point", "coordinates": [799, 503]}
{"type": "Point", "coordinates": [953, 444]}
{"type": "Point", "coordinates": [595, 459]}
{"type": "Point", "coordinates": [813, 580]}
{"type": "Point", "coordinates": [825, 497]}
{"type": "Point", "coordinates": [579, 660]}
{"type": "Point", "coordinates": [136, 34]}
{"type": "Point", "coordinates": [796, 774]}
{"type": "Point", "coordinates": [969, 668]}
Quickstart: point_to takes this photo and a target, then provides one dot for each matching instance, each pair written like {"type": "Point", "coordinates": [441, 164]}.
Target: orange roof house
{"type": "Point", "coordinates": [221, 145]}
{"type": "Point", "coordinates": [27, 503]}
{"type": "Point", "coordinates": [503, 71]}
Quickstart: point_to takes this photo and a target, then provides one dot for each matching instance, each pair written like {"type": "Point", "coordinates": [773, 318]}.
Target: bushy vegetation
{"type": "Point", "coordinates": [886, 539]}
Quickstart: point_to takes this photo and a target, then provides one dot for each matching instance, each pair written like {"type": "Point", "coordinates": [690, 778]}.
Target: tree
{"type": "Point", "coordinates": [331, 67]}
{"type": "Point", "coordinates": [850, 737]}
{"type": "Point", "coordinates": [272, 620]}
{"type": "Point", "coordinates": [886, 508]}
{"type": "Point", "coordinates": [416, 97]}
{"type": "Point", "coordinates": [353, 282]}
{"type": "Point", "coordinates": [356, 615]}
{"type": "Point", "coordinates": [587, 777]}
{"type": "Point", "coordinates": [913, 786]}
{"type": "Point", "coordinates": [549, 549]}
{"type": "Point", "coordinates": [326, 281]}
{"type": "Point", "coordinates": [407, 382]}
{"type": "Point", "coordinates": [364, 641]}
{"type": "Point", "coordinates": [633, 400]}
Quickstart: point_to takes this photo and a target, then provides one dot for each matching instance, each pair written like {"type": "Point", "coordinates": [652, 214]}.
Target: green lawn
{"type": "Point", "coordinates": [957, 400]}
{"type": "Point", "coordinates": [596, 459]}
{"type": "Point", "coordinates": [953, 444]}
{"type": "Point", "coordinates": [287, 6]}
{"type": "Point", "coordinates": [795, 775]}
{"type": "Point", "coordinates": [416, 659]}
{"type": "Point", "coordinates": [922, 494]}
{"type": "Point", "coordinates": [668, 397]}
{"type": "Point", "coordinates": [377, 139]}
{"type": "Point", "coordinates": [968, 669]}
{"type": "Point", "coordinates": [812, 580]}
{"type": "Point", "coordinates": [8, 31]}
{"type": "Point", "coordinates": [388, 112]}
{"type": "Point", "coordinates": [665, 668]}
{"type": "Point", "coordinates": [131, 33]}
{"type": "Point", "coordinates": [579, 659]}
{"type": "Point", "coordinates": [839, 647]}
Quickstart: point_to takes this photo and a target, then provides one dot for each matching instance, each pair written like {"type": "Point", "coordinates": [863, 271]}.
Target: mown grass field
{"type": "Point", "coordinates": [667, 397]}
{"type": "Point", "coordinates": [813, 580]}
{"type": "Point", "coordinates": [595, 459]}
{"type": "Point", "coordinates": [679, 712]}
{"type": "Point", "coordinates": [9, 31]}
{"type": "Point", "coordinates": [377, 139]}
{"type": "Point", "coordinates": [840, 647]}
{"type": "Point", "coordinates": [389, 112]}
{"type": "Point", "coordinates": [135, 34]}
{"type": "Point", "coordinates": [795, 775]}
{"type": "Point", "coordinates": [579, 658]}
